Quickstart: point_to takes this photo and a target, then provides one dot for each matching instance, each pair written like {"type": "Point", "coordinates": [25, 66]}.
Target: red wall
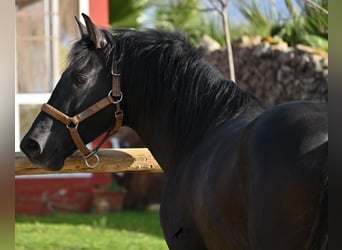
{"type": "Point", "coordinates": [99, 12]}
{"type": "Point", "coordinates": [75, 193]}
{"type": "Point", "coordinates": [33, 195]}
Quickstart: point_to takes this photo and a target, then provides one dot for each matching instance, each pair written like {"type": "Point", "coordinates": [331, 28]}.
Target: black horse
{"type": "Point", "coordinates": [239, 176]}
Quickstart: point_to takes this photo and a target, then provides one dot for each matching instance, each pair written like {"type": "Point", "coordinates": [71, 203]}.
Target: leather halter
{"type": "Point", "coordinates": [114, 97]}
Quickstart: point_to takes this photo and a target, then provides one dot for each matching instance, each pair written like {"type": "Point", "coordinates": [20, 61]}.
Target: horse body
{"type": "Point", "coordinates": [240, 196]}
{"type": "Point", "coordinates": [239, 176]}
{"type": "Point", "coordinates": [210, 210]}
{"type": "Point", "coordinates": [286, 166]}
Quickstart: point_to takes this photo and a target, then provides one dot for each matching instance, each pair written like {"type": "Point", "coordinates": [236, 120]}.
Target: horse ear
{"type": "Point", "coordinates": [95, 34]}
{"type": "Point", "coordinates": [81, 28]}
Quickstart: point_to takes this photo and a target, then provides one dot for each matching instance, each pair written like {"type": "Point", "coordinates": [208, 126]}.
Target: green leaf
{"type": "Point", "coordinates": [317, 41]}
{"type": "Point", "coordinates": [126, 13]}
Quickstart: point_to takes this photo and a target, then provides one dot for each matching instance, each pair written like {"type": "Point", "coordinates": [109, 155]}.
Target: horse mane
{"type": "Point", "coordinates": [163, 70]}
{"type": "Point", "coordinates": [170, 64]}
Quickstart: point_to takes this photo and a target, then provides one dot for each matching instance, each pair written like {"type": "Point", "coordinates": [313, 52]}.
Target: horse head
{"type": "Point", "coordinates": [86, 81]}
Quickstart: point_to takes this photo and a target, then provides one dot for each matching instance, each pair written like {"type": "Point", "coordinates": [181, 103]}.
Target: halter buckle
{"type": "Point", "coordinates": [115, 74]}
{"type": "Point", "coordinates": [118, 113]}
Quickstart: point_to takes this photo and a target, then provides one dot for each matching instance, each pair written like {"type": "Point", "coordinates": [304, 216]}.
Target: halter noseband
{"type": "Point", "coordinates": [114, 97]}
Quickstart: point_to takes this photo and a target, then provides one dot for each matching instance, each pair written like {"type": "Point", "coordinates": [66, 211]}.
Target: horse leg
{"type": "Point", "coordinates": [184, 238]}
{"type": "Point", "coordinates": [179, 230]}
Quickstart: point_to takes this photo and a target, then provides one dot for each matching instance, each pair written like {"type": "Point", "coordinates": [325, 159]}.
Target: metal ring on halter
{"type": "Point", "coordinates": [89, 156]}
{"type": "Point", "coordinates": [68, 125]}
{"type": "Point", "coordinates": [120, 99]}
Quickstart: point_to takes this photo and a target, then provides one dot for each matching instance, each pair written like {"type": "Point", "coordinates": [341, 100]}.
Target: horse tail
{"type": "Point", "coordinates": [319, 237]}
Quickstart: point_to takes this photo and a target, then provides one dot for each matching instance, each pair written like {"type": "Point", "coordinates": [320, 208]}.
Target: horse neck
{"type": "Point", "coordinates": [172, 115]}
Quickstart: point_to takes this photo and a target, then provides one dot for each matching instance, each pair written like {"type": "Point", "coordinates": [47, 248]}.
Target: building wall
{"type": "Point", "coordinates": [39, 53]}
{"type": "Point", "coordinates": [38, 196]}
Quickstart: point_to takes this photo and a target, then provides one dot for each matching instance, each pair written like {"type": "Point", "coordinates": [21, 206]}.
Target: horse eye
{"type": "Point", "coordinates": [80, 79]}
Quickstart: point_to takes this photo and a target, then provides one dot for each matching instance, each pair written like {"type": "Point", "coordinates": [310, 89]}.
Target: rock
{"type": "Point", "coordinates": [209, 43]}
{"type": "Point", "coordinates": [274, 72]}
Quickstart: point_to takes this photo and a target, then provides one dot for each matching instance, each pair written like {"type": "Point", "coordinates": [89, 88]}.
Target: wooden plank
{"type": "Point", "coordinates": [111, 160]}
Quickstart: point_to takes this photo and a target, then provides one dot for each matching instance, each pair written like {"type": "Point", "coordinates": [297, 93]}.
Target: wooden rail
{"type": "Point", "coordinates": [111, 160]}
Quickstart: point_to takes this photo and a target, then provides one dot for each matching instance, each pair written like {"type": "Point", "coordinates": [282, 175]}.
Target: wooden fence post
{"type": "Point", "coordinates": [111, 161]}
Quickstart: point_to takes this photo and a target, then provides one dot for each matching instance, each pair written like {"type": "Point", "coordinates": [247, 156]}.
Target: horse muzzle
{"type": "Point", "coordinates": [42, 147]}
{"type": "Point", "coordinates": [36, 154]}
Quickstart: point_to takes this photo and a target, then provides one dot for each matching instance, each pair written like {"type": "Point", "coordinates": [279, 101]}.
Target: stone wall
{"type": "Point", "coordinates": [275, 72]}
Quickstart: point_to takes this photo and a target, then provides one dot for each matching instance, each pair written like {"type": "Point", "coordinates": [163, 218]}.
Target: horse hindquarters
{"type": "Point", "coordinates": [287, 181]}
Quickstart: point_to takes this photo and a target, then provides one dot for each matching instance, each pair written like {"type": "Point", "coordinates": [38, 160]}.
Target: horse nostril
{"type": "Point", "coordinates": [31, 148]}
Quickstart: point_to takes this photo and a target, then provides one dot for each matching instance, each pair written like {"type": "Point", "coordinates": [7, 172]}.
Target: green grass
{"type": "Point", "coordinates": [125, 230]}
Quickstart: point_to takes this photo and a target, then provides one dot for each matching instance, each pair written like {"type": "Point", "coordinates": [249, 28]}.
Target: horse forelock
{"type": "Point", "coordinates": [79, 55]}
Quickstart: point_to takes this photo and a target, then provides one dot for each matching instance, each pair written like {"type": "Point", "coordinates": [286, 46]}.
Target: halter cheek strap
{"type": "Point", "coordinates": [114, 97]}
